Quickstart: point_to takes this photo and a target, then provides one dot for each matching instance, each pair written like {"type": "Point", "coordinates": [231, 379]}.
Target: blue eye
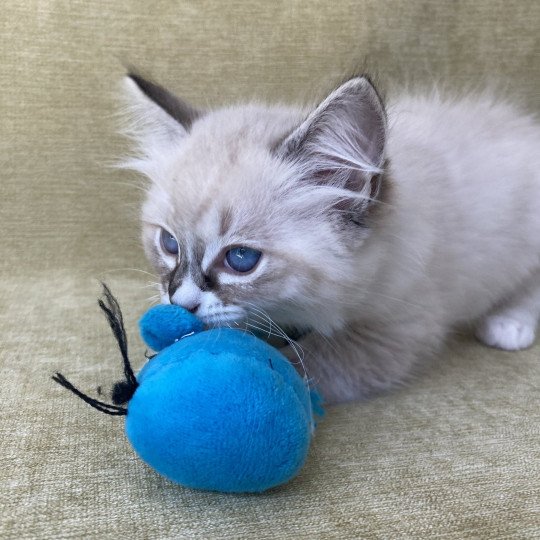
{"type": "Point", "coordinates": [242, 259]}
{"type": "Point", "coordinates": [168, 242]}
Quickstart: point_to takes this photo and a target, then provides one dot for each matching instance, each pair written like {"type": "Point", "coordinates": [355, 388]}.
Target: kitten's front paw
{"type": "Point", "coordinates": [505, 332]}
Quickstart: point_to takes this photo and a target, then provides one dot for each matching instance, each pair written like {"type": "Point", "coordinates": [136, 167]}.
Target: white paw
{"type": "Point", "coordinates": [504, 332]}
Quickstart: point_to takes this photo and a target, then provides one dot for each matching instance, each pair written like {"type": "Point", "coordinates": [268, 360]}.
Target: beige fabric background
{"type": "Point", "coordinates": [455, 455]}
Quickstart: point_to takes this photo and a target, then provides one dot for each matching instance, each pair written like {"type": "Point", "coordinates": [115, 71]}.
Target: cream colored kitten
{"type": "Point", "coordinates": [373, 232]}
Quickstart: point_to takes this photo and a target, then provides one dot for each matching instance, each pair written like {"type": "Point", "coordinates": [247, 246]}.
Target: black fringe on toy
{"type": "Point", "coordinates": [123, 390]}
{"type": "Point", "coordinates": [99, 405]}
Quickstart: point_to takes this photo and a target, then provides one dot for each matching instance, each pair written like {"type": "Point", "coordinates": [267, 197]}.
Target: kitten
{"type": "Point", "coordinates": [374, 231]}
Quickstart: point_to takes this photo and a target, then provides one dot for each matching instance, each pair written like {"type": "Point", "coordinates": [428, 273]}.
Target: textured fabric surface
{"type": "Point", "coordinates": [455, 455]}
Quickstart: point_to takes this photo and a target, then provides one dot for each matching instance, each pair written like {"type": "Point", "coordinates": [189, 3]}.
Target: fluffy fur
{"type": "Point", "coordinates": [380, 230]}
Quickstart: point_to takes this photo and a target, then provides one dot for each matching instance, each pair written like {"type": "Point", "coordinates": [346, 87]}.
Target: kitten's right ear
{"type": "Point", "coordinates": [156, 117]}
{"type": "Point", "coordinates": [342, 142]}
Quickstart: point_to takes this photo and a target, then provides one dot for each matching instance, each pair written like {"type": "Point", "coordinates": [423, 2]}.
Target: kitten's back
{"type": "Point", "coordinates": [467, 181]}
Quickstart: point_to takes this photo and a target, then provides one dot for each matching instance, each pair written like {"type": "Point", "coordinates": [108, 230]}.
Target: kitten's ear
{"type": "Point", "coordinates": [341, 143]}
{"type": "Point", "coordinates": [156, 117]}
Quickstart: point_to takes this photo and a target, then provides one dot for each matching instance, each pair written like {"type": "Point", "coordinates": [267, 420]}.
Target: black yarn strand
{"type": "Point", "coordinates": [122, 391]}
{"type": "Point", "coordinates": [114, 316]}
{"type": "Point", "coordinates": [101, 406]}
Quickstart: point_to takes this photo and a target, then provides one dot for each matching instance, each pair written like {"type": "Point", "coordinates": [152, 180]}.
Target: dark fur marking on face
{"type": "Point", "coordinates": [172, 105]}
{"type": "Point", "coordinates": [177, 275]}
{"type": "Point", "coordinates": [198, 250]}
{"type": "Point", "coordinates": [198, 278]}
{"type": "Point", "coordinates": [195, 266]}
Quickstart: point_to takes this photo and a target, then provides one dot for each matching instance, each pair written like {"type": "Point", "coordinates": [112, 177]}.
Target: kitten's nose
{"type": "Point", "coordinates": [188, 295]}
{"type": "Point", "coordinates": [192, 306]}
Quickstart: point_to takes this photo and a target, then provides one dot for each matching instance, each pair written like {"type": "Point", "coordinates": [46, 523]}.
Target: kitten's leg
{"type": "Point", "coordinates": [512, 325]}
{"type": "Point", "coordinates": [365, 360]}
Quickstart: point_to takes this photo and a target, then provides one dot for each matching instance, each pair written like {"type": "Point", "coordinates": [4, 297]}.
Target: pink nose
{"type": "Point", "coordinates": [191, 305]}
{"type": "Point", "coordinates": [188, 295]}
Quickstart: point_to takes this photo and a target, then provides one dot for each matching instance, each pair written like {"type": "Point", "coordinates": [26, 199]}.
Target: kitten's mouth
{"type": "Point", "coordinates": [262, 327]}
{"type": "Point", "coordinates": [276, 336]}
{"type": "Point", "coordinates": [222, 320]}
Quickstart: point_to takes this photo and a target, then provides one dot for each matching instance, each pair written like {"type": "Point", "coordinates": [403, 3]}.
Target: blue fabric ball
{"type": "Point", "coordinates": [218, 409]}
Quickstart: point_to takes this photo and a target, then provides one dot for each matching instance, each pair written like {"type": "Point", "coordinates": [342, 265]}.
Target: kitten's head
{"type": "Point", "coordinates": [259, 210]}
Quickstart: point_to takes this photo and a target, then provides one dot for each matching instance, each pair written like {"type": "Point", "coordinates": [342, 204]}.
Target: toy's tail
{"type": "Point", "coordinates": [122, 390]}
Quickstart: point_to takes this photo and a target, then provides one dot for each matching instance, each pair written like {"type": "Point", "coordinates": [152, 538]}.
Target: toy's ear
{"type": "Point", "coordinates": [162, 325]}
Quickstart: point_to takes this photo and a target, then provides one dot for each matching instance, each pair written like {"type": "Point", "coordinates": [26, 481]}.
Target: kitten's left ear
{"type": "Point", "coordinates": [157, 118]}
{"type": "Point", "coordinates": [342, 142]}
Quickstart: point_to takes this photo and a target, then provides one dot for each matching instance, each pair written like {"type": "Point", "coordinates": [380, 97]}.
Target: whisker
{"type": "Point", "coordinates": [262, 329]}
{"type": "Point", "coordinates": [150, 284]}
{"type": "Point", "coordinates": [153, 299]}
{"type": "Point", "coordinates": [295, 346]}
{"type": "Point", "coordinates": [128, 270]}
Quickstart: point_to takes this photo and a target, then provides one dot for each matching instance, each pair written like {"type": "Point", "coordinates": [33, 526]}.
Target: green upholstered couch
{"type": "Point", "coordinates": [454, 455]}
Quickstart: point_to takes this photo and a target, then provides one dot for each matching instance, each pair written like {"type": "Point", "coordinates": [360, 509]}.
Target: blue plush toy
{"type": "Point", "coordinates": [213, 409]}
